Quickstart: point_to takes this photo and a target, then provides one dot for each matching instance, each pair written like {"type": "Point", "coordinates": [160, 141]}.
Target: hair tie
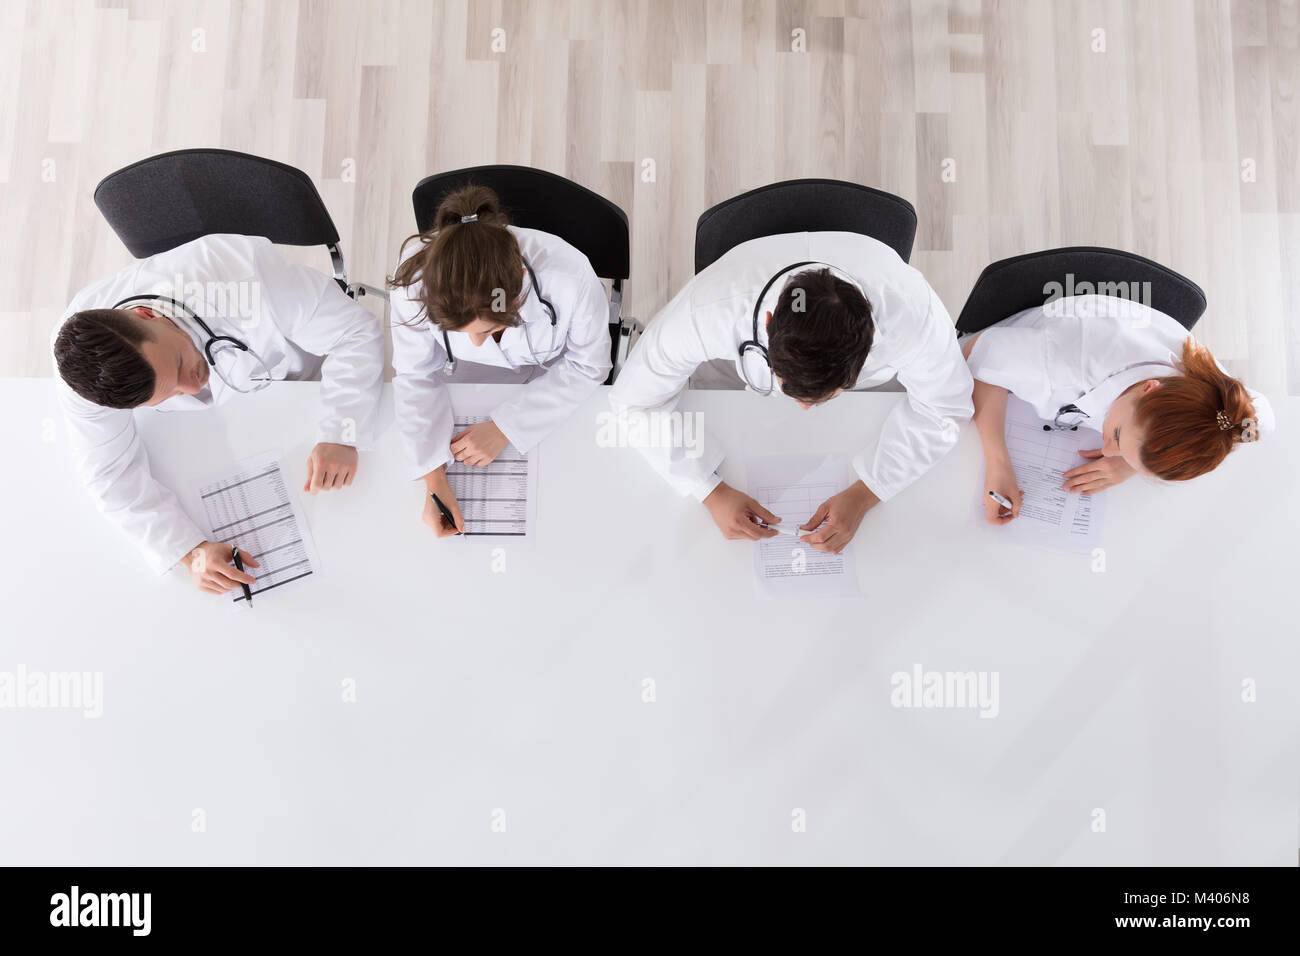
{"type": "Point", "coordinates": [1224, 421]}
{"type": "Point", "coordinates": [1249, 429]}
{"type": "Point", "coordinates": [473, 218]}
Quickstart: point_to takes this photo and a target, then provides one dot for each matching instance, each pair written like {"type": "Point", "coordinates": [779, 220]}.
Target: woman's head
{"type": "Point", "coordinates": [1183, 425]}
{"type": "Point", "coordinates": [471, 273]}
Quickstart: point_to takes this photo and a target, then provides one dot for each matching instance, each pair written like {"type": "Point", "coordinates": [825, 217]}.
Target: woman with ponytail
{"type": "Point", "coordinates": [476, 291]}
{"type": "Point", "coordinates": [1163, 405]}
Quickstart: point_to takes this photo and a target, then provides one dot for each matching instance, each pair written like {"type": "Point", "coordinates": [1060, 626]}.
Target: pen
{"type": "Point", "coordinates": [446, 512]}
{"type": "Point", "coordinates": [777, 528]}
{"type": "Point", "coordinates": [239, 563]}
{"type": "Point", "coordinates": [1002, 501]}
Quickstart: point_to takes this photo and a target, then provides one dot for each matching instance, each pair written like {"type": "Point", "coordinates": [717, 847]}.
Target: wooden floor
{"type": "Point", "coordinates": [1167, 127]}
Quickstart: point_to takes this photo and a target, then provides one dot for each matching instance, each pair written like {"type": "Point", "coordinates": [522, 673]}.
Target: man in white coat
{"type": "Point", "coordinates": [188, 329]}
{"type": "Point", "coordinates": [808, 315]}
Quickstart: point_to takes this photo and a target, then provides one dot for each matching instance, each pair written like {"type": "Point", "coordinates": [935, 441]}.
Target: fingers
{"type": "Point", "coordinates": [461, 434]}
{"type": "Point", "coordinates": [820, 515]}
{"type": "Point", "coordinates": [745, 527]}
{"type": "Point", "coordinates": [317, 477]}
{"type": "Point", "coordinates": [1084, 478]}
{"type": "Point", "coordinates": [1090, 452]}
{"type": "Point", "coordinates": [228, 572]}
{"type": "Point", "coordinates": [1017, 500]}
{"type": "Point", "coordinates": [311, 472]}
{"type": "Point", "coordinates": [1094, 486]}
{"type": "Point", "coordinates": [249, 560]}
{"type": "Point", "coordinates": [757, 509]}
{"type": "Point", "coordinates": [832, 542]}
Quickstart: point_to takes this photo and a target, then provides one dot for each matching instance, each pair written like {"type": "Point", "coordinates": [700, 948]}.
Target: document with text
{"type": "Point", "coordinates": [792, 487]}
{"type": "Point", "coordinates": [1049, 517]}
{"type": "Point", "coordinates": [501, 498]}
{"type": "Point", "coordinates": [252, 507]}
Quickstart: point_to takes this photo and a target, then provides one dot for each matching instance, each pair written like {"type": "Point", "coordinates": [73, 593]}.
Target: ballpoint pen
{"type": "Point", "coordinates": [446, 512]}
{"type": "Point", "coordinates": [239, 563]}
{"type": "Point", "coordinates": [777, 528]}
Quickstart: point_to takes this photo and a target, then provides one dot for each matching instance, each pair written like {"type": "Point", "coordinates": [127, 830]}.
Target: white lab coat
{"type": "Point", "coordinates": [713, 314]}
{"type": "Point", "coordinates": [1085, 351]}
{"type": "Point", "coordinates": [577, 355]}
{"type": "Point", "coordinates": [289, 315]}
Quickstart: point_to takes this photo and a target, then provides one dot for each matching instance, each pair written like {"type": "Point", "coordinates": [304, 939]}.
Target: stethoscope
{"type": "Point", "coordinates": [449, 366]}
{"type": "Point", "coordinates": [1073, 409]}
{"type": "Point", "coordinates": [753, 344]}
{"type": "Point", "coordinates": [213, 340]}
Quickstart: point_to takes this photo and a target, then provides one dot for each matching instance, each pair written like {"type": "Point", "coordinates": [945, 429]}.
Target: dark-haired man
{"type": "Point", "coordinates": [191, 328]}
{"type": "Point", "coordinates": [806, 315]}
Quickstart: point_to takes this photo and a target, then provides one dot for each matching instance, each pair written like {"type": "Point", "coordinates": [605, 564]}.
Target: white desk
{"type": "Point", "coordinates": [523, 690]}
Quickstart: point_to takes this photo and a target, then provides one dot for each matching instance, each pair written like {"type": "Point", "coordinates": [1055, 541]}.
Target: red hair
{"type": "Point", "coordinates": [1183, 420]}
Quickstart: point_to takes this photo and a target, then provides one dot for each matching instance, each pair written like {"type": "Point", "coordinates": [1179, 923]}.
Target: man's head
{"type": "Point", "coordinates": [122, 358]}
{"type": "Point", "coordinates": [819, 336]}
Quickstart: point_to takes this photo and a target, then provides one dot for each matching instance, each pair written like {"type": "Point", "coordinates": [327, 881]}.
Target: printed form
{"type": "Point", "coordinates": [501, 498]}
{"type": "Point", "coordinates": [251, 508]}
{"type": "Point", "coordinates": [792, 487]}
{"type": "Point", "coordinates": [1049, 517]}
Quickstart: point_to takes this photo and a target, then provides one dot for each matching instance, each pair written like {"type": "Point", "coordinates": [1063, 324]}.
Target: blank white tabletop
{"type": "Point", "coordinates": [500, 715]}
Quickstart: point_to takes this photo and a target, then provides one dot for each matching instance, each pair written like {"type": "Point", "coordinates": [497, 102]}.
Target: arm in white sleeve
{"type": "Point", "coordinates": [113, 465]}
{"type": "Point", "coordinates": [320, 318]}
{"type": "Point", "coordinates": [648, 389]}
{"type": "Point", "coordinates": [421, 404]}
{"type": "Point", "coordinates": [583, 367]}
{"type": "Point", "coordinates": [920, 430]}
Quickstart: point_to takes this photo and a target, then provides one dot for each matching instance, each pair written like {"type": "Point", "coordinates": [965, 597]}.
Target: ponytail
{"type": "Point", "coordinates": [469, 264]}
{"type": "Point", "coordinates": [1194, 419]}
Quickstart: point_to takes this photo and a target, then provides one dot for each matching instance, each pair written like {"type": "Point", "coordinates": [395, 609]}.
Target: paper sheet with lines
{"type": "Point", "coordinates": [1049, 517]}
{"type": "Point", "coordinates": [253, 508]}
{"type": "Point", "coordinates": [792, 487]}
{"type": "Point", "coordinates": [501, 498]}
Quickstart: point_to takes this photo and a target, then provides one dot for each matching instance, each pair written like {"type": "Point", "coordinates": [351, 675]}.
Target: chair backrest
{"type": "Point", "coordinates": [537, 199]}
{"type": "Point", "coordinates": [166, 200]}
{"type": "Point", "coordinates": [1021, 282]}
{"type": "Point", "coordinates": [805, 205]}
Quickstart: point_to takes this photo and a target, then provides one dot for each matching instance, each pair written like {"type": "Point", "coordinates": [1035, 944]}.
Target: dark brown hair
{"type": "Point", "coordinates": [823, 346]}
{"type": "Point", "coordinates": [462, 264]}
{"type": "Point", "coordinates": [1182, 434]}
{"type": "Point", "coordinates": [97, 352]}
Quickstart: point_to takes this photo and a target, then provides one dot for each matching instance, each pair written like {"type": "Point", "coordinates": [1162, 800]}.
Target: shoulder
{"type": "Point", "coordinates": [560, 266]}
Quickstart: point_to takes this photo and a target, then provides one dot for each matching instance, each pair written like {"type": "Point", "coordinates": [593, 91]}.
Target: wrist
{"type": "Point", "coordinates": [997, 459]}
{"type": "Point", "coordinates": [436, 478]}
{"type": "Point", "coordinates": [187, 559]}
{"type": "Point", "coordinates": [714, 496]}
{"type": "Point", "coordinates": [862, 494]}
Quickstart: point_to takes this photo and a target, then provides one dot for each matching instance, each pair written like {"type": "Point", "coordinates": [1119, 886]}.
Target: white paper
{"type": "Point", "coordinates": [792, 487]}
{"type": "Point", "coordinates": [498, 500]}
{"type": "Point", "coordinates": [252, 508]}
{"type": "Point", "coordinates": [1049, 517]}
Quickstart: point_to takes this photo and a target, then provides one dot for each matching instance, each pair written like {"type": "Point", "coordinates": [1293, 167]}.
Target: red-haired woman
{"type": "Point", "coordinates": [477, 290]}
{"type": "Point", "coordinates": [1163, 405]}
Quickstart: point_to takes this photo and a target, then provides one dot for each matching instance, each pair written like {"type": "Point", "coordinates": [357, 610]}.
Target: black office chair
{"type": "Point", "coordinates": [537, 199]}
{"type": "Point", "coordinates": [1022, 282]}
{"type": "Point", "coordinates": [804, 205]}
{"type": "Point", "coordinates": [167, 200]}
